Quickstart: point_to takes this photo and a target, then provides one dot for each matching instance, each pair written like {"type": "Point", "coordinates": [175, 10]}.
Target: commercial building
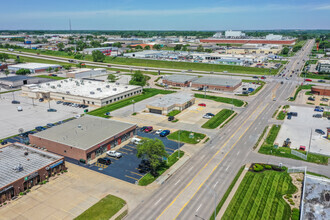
{"type": "Point", "coordinates": [20, 80]}
{"type": "Point", "coordinates": [22, 167]}
{"type": "Point", "coordinates": [34, 67]}
{"type": "Point", "coordinates": [321, 90]}
{"type": "Point", "coordinates": [179, 80]}
{"type": "Point", "coordinates": [108, 51]}
{"type": "Point", "coordinates": [217, 83]}
{"type": "Point", "coordinates": [323, 66]}
{"type": "Point", "coordinates": [167, 103]}
{"type": "Point", "coordinates": [246, 41]}
{"type": "Point", "coordinates": [86, 73]}
{"type": "Point", "coordinates": [274, 37]}
{"type": "Point", "coordinates": [82, 91]}
{"type": "Point", "coordinates": [84, 138]}
{"type": "Point", "coordinates": [234, 34]}
{"type": "Point", "coordinates": [250, 49]}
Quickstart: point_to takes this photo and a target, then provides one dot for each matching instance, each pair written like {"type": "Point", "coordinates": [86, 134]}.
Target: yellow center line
{"type": "Point", "coordinates": [220, 161]}
{"type": "Point", "coordinates": [207, 163]}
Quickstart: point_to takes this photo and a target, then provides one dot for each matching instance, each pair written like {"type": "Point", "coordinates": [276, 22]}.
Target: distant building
{"type": "Point", "coordinates": [167, 103]}
{"type": "Point", "coordinates": [274, 37]}
{"type": "Point", "coordinates": [33, 67]}
{"type": "Point", "coordinates": [84, 138]}
{"type": "Point", "coordinates": [108, 51]}
{"type": "Point", "coordinates": [22, 167]}
{"type": "Point", "coordinates": [19, 80]}
{"type": "Point", "coordinates": [234, 34]}
{"type": "Point", "coordinates": [218, 35]}
{"type": "Point", "coordinates": [323, 66]}
{"type": "Point", "coordinates": [179, 80]}
{"type": "Point", "coordinates": [217, 83]}
{"type": "Point", "coordinates": [86, 73]}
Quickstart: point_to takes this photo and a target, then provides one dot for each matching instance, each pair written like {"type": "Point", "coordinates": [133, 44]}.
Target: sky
{"type": "Point", "coordinates": [164, 14]}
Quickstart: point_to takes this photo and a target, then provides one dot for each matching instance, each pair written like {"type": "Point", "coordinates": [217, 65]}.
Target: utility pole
{"type": "Point", "coordinates": [310, 141]}
{"type": "Point", "coordinates": [179, 145]}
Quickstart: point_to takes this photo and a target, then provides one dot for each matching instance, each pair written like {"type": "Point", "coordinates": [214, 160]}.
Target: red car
{"type": "Point", "coordinates": [263, 77]}
{"type": "Point", "coordinates": [148, 129]}
{"type": "Point", "coordinates": [308, 80]}
{"type": "Point", "coordinates": [202, 104]}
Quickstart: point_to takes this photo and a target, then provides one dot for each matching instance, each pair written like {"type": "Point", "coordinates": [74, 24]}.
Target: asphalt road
{"type": "Point", "coordinates": [193, 191]}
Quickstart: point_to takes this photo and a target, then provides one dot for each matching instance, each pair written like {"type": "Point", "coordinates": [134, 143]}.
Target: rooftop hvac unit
{"type": "Point", "coordinates": [19, 168]}
{"type": "Point", "coordinates": [117, 84]}
{"type": "Point", "coordinates": [65, 80]}
{"type": "Point", "coordinates": [47, 84]}
{"type": "Point", "coordinates": [108, 86]}
{"type": "Point", "coordinates": [53, 87]}
{"type": "Point", "coordinates": [59, 85]}
{"type": "Point", "coordinates": [71, 79]}
{"type": "Point", "coordinates": [98, 89]}
{"type": "Point", "coordinates": [114, 89]}
{"type": "Point", "coordinates": [89, 81]}
{"type": "Point", "coordinates": [126, 87]}
{"type": "Point", "coordinates": [61, 81]}
{"type": "Point", "coordinates": [67, 92]}
{"type": "Point", "coordinates": [92, 93]}
{"type": "Point", "coordinates": [82, 83]}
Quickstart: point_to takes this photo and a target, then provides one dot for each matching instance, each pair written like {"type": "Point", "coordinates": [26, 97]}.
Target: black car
{"type": "Point", "coordinates": [4, 142]}
{"type": "Point", "coordinates": [210, 114]}
{"type": "Point", "coordinates": [170, 118]}
{"type": "Point", "coordinates": [317, 116]}
{"type": "Point", "coordinates": [105, 161]}
{"type": "Point", "coordinates": [311, 99]}
{"type": "Point", "coordinates": [255, 77]}
{"type": "Point", "coordinates": [289, 116]}
{"type": "Point", "coordinates": [319, 131]}
{"type": "Point", "coordinates": [15, 102]}
{"type": "Point", "coordinates": [321, 81]}
{"type": "Point", "coordinates": [41, 100]}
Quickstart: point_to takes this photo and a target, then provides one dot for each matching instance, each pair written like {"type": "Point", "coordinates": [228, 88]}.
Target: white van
{"type": "Point", "coordinates": [135, 140]}
{"type": "Point", "coordinates": [19, 108]}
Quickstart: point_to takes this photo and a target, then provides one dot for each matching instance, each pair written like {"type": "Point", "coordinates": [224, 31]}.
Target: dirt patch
{"type": "Point", "coordinates": [294, 199]}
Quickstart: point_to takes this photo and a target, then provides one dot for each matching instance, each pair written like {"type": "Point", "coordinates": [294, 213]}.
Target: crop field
{"type": "Point", "coordinates": [259, 196]}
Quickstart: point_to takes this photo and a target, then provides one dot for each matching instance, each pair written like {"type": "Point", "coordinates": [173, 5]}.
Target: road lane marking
{"type": "Point", "coordinates": [207, 163]}
{"type": "Point", "coordinates": [198, 207]}
{"type": "Point", "coordinates": [215, 184]}
{"type": "Point", "coordinates": [136, 173]}
{"type": "Point", "coordinates": [132, 178]}
{"type": "Point", "coordinates": [190, 168]}
{"type": "Point", "coordinates": [227, 168]}
{"type": "Point", "coordinates": [238, 153]}
{"type": "Point", "coordinates": [158, 201]}
{"type": "Point", "coordinates": [177, 182]}
{"type": "Point", "coordinates": [221, 160]}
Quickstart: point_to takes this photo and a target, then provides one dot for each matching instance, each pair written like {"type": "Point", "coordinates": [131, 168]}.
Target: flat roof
{"type": "Point", "coordinates": [15, 78]}
{"type": "Point", "coordinates": [217, 81]}
{"type": "Point", "coordinates": [84, 88]}
{"type": "Point", "coordinates": [84, 132]}
{"type": "Point", "coordinates": [171, 99]}
{"type": "Point", "coordinates": [180, 78]}
{"type": "Point", "coordinates": [14, 154]}
{"type": "Point", "coordinates": [33, 66]}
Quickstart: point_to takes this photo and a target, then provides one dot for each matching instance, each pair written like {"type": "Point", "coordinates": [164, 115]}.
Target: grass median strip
{"type": "Point", "coordinates": [218, 119]}
{"type": "Point", "coordinates": [235, 102]}
{"type": "Point", "coordinates": [51, 77]}
{"type": "Point", "coordinates": [104, 209]}
{"type": "Point", "coordinates": [184, 136]}
{"type": "Point", "coordinates": [147, 93]}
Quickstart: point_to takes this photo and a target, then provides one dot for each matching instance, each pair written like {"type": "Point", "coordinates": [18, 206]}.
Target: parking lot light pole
{"type": "Point", "coordinates": [179, 145]}
{"type": "Point", "coordinates": [49, 104]}
{"type": "Point", "coordinates": [133, 106]}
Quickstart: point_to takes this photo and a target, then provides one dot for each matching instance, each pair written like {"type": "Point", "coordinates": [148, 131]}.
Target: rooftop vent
{"type": "Point", "coordinates": [126, 87]}
{"type": "Point", "coordinates": [79, 126]}
{"type": "Point", "coordinates": [59, 85]}
{"type": "Point", "coordinates": [65, 80]}
{"type": "Point", "coordinates": [108, 86]}
{"type": "Point", "coordinates": [114, 89]}
{"type": "Point", "coordinates": [18, 168]}
{"type": "Point", "coordinates": [99, 89]}
{"type": "Point", "coordinates": [47, 84]}
{"type": "Point", "coordinates": [67, 92]}
{"type": "Point", "coordinates": [53, 87]}
{"type": "Point", "coordinates": [117, 84]}
{"type": "Point", "coordinates": [92, 93]}
{"type": "Point", "coordinates": [26, 153]}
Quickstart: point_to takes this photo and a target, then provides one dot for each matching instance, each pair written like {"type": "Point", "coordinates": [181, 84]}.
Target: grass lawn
{"type": "Point", "coordinates": [10, 91]}
{"type": "Point", "coordinates": [51, 77]}
{"type": "Point", "coordinates": [173, 113]}
{"type": "Point", "coordinates": [281, 115]}
{"type": "Point", "coordinates": [259, 196]}
{"type": "Point", "coordinates": [148, 178]}
{"type": "Point", "coordinates": [147, 93]}
{"type": "Point", "coordinates": [299, 89]}
{"type": "Point", "coordinates": [228, 192]}
{"type": "Point", "coordinates": [104, 209]}
{"type": "Point", "coordinates": [218, 119]}
{"type": "Point", "coordinates": [184, 137]}
{"type": "Point", "coordinates": [316, 76]}
{"type": "Point", "coordinates": [235, 102]}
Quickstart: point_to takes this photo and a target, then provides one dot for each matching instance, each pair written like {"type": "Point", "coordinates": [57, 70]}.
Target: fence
{"type": "Point", "coordinates": [296, 169]}
{"type": "Point", "coordinates": [298, 154]}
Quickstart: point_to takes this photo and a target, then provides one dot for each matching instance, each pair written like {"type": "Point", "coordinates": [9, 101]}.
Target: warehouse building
{"type": "Point", "coordinates": [34, 67]}
{"type": "Point", "coordinates": [84, 138]}
{"type": "Point", "coordinates": [167, 103]}
{"type": "Point", "coordinates": [107, 51]}
{"type": "Point", "coordinates": [179, 80]}
{"type": "Point", "coordinates": [217, 83]}
{"type": "Point", "coordinates": [321, 90]}
{"type": "Point", "coordinates": [22, 167]}
{"type": "Point", "coordinates": [19, 80]}
{"type": "Point", "coordinates": [86, 73]}
{"type": "Point", "coordinates": [82, 91]}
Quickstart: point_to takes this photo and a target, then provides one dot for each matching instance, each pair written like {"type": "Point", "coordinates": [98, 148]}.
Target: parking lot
{"type": "Point", "coordinates": [32, 115]}
{"type": "Point", "coordinates": [126, 167]}
{"type": "Point", "coordinates": [298, 129]}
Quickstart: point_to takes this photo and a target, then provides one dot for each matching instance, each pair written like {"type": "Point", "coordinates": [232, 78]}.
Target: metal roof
{"type": "Point", "coordinates": [14, 154]}
{"type": "Point", "coordinates": [171, 99]}
{"type": "Point", "coordinates": [84, 132]}
{"type": "Point", "coordinates": [180, 78]}
{"type": "Point", "coordinates": [217, 81]}
{"type": "Point", "coordinates": [33, 66]}
{"type": "Point", "coordinates": [15, 78]}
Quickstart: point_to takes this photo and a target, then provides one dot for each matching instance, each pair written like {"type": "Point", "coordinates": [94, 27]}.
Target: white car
{"type": "Point", "coordinates": [113, 153]}
{"type": "Point", "coordinates": [19, 108]}
{"type": "Point", "coordinates": [136, 140]}
{"type": "Point", "coordinates": [159, 131]}
{"type": "Point", "coordinates": [207, 116]}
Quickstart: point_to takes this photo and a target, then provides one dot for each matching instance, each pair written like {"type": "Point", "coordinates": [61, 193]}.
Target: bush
{"type": "Point", "coordinates": [28, 190]}
{"type": "Point", "coordinates": [268, 167]}
{"type": "Point", "coordinates": [258, 167]}
{"type": "Point", "coordinates": [21, 193]}
{"type": "Point", "coordinates": [295, 214]}
{"type": "Point", "coordinates": [290, 200]}
{"type": "Point", "coordinates": [292, 203]}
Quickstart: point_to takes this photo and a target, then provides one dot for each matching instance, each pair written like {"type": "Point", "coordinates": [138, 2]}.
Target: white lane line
{"type": "Point", "coordinates": [158, 201]}
{"type": "Point", "coordinates": [198, 207]}
{"type": "Point", "coordinates": [202, 157]}
{"type": "Point", "coordinates": [215, 184]}
{"type": "Point", "coordinates": [190, 168]}
{"type": "Point", "coordinates": [255, 128]}
{"type": "Point", "coordinates": [238, 152]}
{"type": "Point", "coordinates": [177, 182]}
{"type": "Point", "coordinates": [227, 168]}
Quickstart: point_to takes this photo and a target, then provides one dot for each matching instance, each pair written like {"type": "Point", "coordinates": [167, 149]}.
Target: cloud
{"type": "Point", "coordinates": [323, 7]}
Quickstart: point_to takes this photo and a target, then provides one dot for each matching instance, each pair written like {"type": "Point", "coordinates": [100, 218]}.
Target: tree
{"type": "Point", "coordinates": [23, 71]}
{"type": "Point", "coordinates": [56, 70]}
{"type": "Point", "coordinates": [95, 43]}
{"type": "Point", "coordinates": [67, 67]}
{"type": "Point", "coordinates": [60, 46]}
{"type": "Point", "coordinates": [138, 79]}
{"type": "Point", "coordinates": [6, 72]}
{"type": "Point", "coordinates": [200, 48]}
{"type": "Point", "coordinates": [117, 44]}
{"type": "Point", "coordinates": [111, 78]}
{"type": "Point", "coordinates": [79, 56]}
{"type": "Point", "coordinates": [157, 47]}
{"type": "Point", "coordinates": [208, 50]}
{"type": "Point", "coordinates": [152, 150]}
{"type": "Point", "coordinates": [44, 40]}
{"type": "Point", "coordinates": [4, 57]}
{"type": "Point", "coordinates": [285, 50]}
{"type": "Point", "coordinates": [147, 47]}
{"type": "Point", "coordinates": [49, 69]}
{"type": "Point", "coordinates": [138, 47]}
{"type": "Point", "coordinates": [178, 47]}
{"type": "Point", "coordinates": [98, 56]}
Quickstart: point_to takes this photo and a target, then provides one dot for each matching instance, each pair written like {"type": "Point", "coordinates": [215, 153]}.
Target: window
{"type": "Point", "coordinates": [64, 151]}
{"type": "Point", "coordinates": [92, 103]}
{"type": "Point", "coordinates": [63, 98]}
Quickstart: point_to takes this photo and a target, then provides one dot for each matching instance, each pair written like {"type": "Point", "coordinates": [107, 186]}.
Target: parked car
{"type": "Point", "coordinates": [136, 140]}
{"type": "Point", "coordinates": [51, 110]}
{"type": "Point", "coordinates": [148, 129]}
{"type": "Point", "coordinates": [282, 82]}
{"type": "Point", "coordinates": [49, 125]}
{"type": "Point", "coordinates": [308, 80]}
{"type": "Point", "coordinates": [207, 116]}
{"type": "Point", "coordinates": [317, 116]}
{"type": "Point", "coordinates": [319, 131]}
{"type": "Point", "coordinates": [15, 102]}
{"type": "Point", "coordinates": [159, 131]}
{"type": "Point", "coordinates": [321, 81]}
{"type": "Point", "coordinates": [263, 77]}
{"type": "Point", "coordinates": [302, 148]}
{"type": "Point", "coordinates": [324, 99]}
{"type": "Point", "coordinates": [41, 100]}
{"type": "Point", "coordinates": [19, 108]}
{"type": "Point", "coordinates": [311, 99]}
{"type": "Point", "coordinates": [289, 117]}
{"type": "Point", "coordinates": [40, 128]}
{"type": "Point", "coordinates": [165, 133]}
{"type": "Point", "coordinates": [143, 128]}
{"type": "Point", "coordinates": [4, 142]}
{"type": "Point", "coordinates": [104, 160]}
{"type": "Point", "coordinates": [202, 104]}
{"type": "Point", "coordinates": [113, 153]}
{"type": "Point", "coordinates": [255, 77]}
{"type": "Point", "coordinates": [59, 102]}
{"type": "Point", "coordinates": [170, 118]}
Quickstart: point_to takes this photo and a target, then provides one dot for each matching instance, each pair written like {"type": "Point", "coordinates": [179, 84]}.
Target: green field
{"type": "Point", "coordinates": [235, 102]}
{"type": "Point", "coordinates": [259, 196]}
{"type": "Point", "coordinates": [281, 115]}
{"type": "Point", "coordinates": [104, 209]}
{"type": "Point", "coordinates": [316, 76]}
{"type": "Point", "coordinates": [183, 136]}
{"type": "Point", "coordinates": [218, 119]}
{"type": "Point", "coordinates": [147, 93]}
{"type": "Point", "coordinates": [51, 77]}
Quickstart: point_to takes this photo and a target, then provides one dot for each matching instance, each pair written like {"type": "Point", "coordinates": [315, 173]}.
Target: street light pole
{"type": "Point", "coordinates": [179, 145]}
{"type": "Point", "coordinates": [133, 106]}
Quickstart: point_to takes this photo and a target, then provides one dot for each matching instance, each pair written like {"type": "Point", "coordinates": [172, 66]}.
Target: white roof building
{"type": "Point", "coordinates": [33, 67]}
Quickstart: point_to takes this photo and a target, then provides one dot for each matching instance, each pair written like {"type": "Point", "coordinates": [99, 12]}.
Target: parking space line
{"type": "Point", "coordinates": [123, 152]}
{"type": "Point", "coordinates": [127, 149]}
{"type": "Point", "coordinates": [132, 178]}
{"type": "Point", "coordinates": [136, 173]}
{"type": "Point", "coordinates": [169, 148]}
{"type": "Point", "coordinates": [130, 147]}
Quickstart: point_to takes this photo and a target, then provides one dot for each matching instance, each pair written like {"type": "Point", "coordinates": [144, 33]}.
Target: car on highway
{"type": "Point", "coordinates": [164, 133]}
{"type": "Point", "coordinates": [104, 160]}
{"type": "Point", "coordinates": [148, 129]}
{"type": "Point", "coordinates": [40, 128]}
{"type": "Point", "coordinates": [308, 80]}
{"type": "Point", "coordinates": [318, 109]}
{"type": "Point", "coordinates": [59, 102]}
{"type": "Point", "coordinates": [159, 131]}
{"type": "Point", "coordinates": [263, 77]}
{"type": "Point", "coordinates": [15, 102]}
{"type": "Point", "coordinates": [49, 125]}
{"type": "Point", "coordinates": [319, 131]}
{"type": "Point", "coordinates": [170, 118]}
{"type": "Point", "coordinates": [51, 110]}
{"type": "Point", "coordinates": [113, 153]}
{"type": "Point", "coordinates": [321, 81]}
{"type": "Point", "coordinates": [202, 104]}
{"type": "Point", "coordinates": [317, 116]}
{"type": "Point", "coordinates": [255, 77]}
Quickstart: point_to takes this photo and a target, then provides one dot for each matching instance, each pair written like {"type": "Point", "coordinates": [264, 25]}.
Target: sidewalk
{"type": "Point", "coordinates": [232, 193]}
